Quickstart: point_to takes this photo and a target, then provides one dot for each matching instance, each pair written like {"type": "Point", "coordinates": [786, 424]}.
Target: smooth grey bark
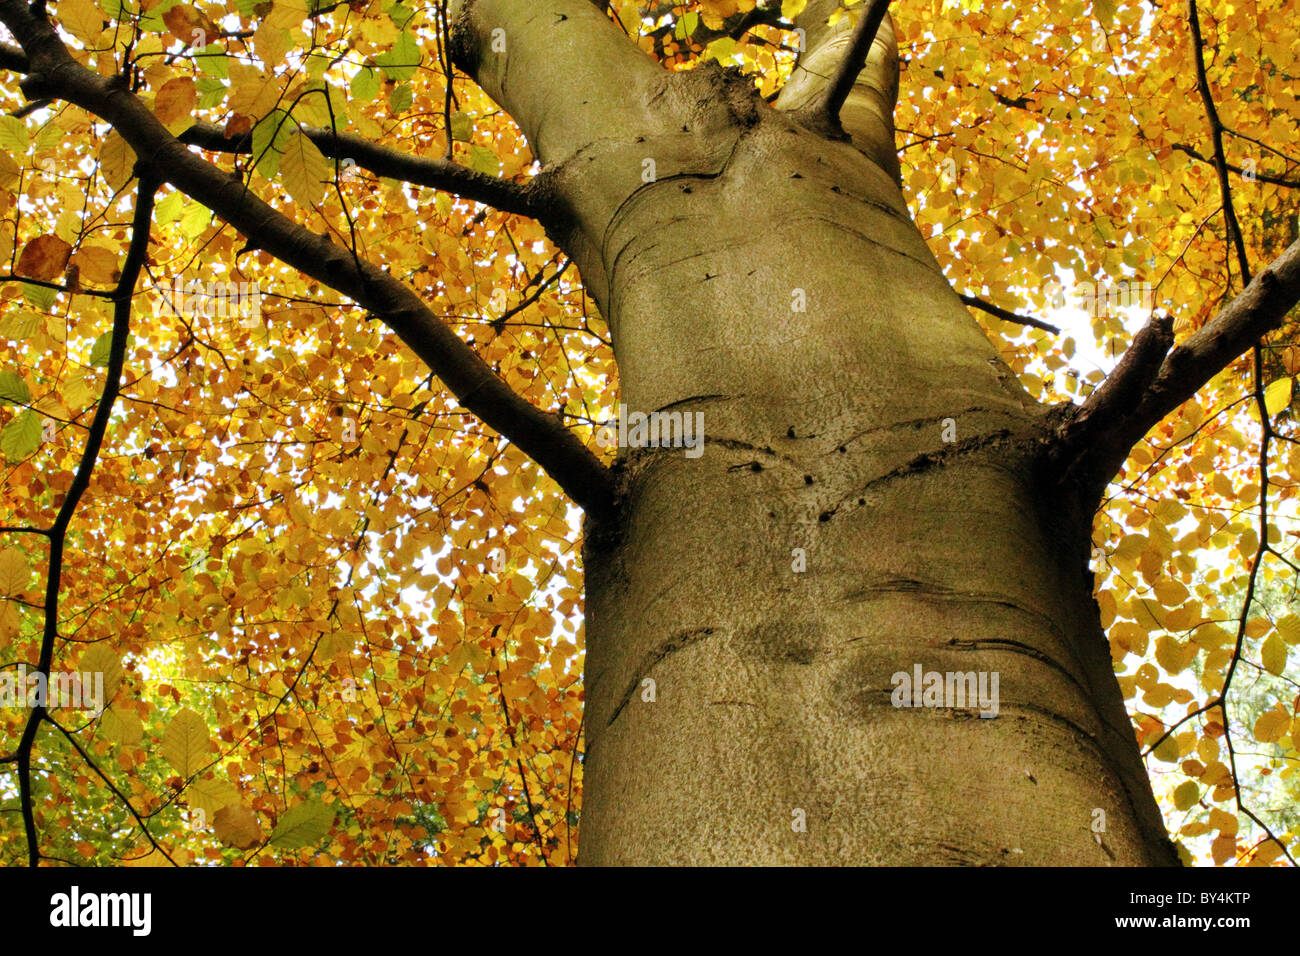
{"type": "Point", "coordinates": [824, 433]}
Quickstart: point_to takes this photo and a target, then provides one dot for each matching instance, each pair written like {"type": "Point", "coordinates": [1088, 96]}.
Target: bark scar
{"type": "Point", "coordinates": [677, 642]}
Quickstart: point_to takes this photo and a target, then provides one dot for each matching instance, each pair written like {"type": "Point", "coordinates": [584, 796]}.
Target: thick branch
{"type": "Point", "coordinates": [826, 108]}
{"type": "Point", "coordinates": [866, 110]}
{"type": "Point", "coordinates": [12, 58]}
{"type": "Point", "coordinates": [562, 70]}
{"type": "Point", "coordinates": [1257, 310]}
{"type": "Point", "coordinates": [1086, 434]}
{"type": "Point", "coordinates": [539, 435]}
{"type": "Point", "coordinates": [451, 177]}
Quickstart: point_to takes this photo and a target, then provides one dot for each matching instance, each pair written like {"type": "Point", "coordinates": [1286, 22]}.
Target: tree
{"type": "Point", "coordinates": [313, 526]}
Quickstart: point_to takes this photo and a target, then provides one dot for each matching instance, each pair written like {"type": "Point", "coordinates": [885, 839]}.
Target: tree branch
{"type": "Point", "coordinates": [1262, 177]}
{"type": "Point", "coordinates": [13, 58]}
{"type": "Point", "coordinates": [825, 109]}
{"type": "Point", "coordinates": [1086, 431]}
{"type": "Point", "coordinates": [1255, 311]}
{"type": "Point", "coordinates": [517, 198]}
{"type": "Point", "coordinates": [864, 110]}
{"type": "Point", "coordinates": [132, 265]}
{"type": "Point", "coordinates": [978, 303]}
{"type": "Point", "coordinates": [541, 436]}
{"type": "Point", "coordinates": [1216, 133]}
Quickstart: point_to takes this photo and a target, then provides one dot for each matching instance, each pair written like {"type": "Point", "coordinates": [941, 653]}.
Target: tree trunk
{"type": "Point", "coordinates": [869, 498]}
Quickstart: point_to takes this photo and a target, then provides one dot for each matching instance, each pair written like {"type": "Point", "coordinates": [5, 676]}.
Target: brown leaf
{"type": "Point", "coordinates": [44, 258]}
{"type": "Point", "coordinates": [190, 25]}
{"type": "Point", "coordinates": [175, 103]}
{"type": "Point", "coordinates": [238, 125]}
{"type": "Point", "coordinates": [98, 265]}
{"type": "Point", "coordinates": [237, 826]}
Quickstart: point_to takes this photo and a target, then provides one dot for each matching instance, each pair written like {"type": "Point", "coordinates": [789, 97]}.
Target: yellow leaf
{"type": "Point", "coordinates": [174, 104]}
{"type": "Point", "coordinates": [303, 169]}
{"type": "Point", "coordinates": [116, 160]}
{"type": "Point", "coordinates": [8, 173]}
{"type": "Point", "coordinates": [1271, 725]}
{"type": "Point", "coordinates": [97, 264]}
{"type": "Point", "coordinates": [1289, 628]}
{"type": "Point", "coordinates": [1277, 396]}
{"type": "Point", "coordinates": [1173, 656]}
{"type": "Point", "coordinates": [185, 743]}
{"type": "Point", "coordinates": [1273, 654]}
{"type": "Point", "coordinates": [9, 623]}
{"type": "Point", "coordinates": [121, 727]}
{"type": "Point", "coordinates": [211, 795]}
{"type": "Point", "coordinates": [152, 858]}
{"type": "Point", "coordinates": [102, 659]}
{"type": "Point", "coordinates": [286, 14]}
{"type": "Point", "coordinates": [82, 18]}
{"type": "Point", "coordinates": [15, 572]}
{"type": "Point", "coordinates": [271, 42]}
{"type": "Point", "coordinates": [792, 8]}
{"type": "Point", "coordinates": [1170, 593]}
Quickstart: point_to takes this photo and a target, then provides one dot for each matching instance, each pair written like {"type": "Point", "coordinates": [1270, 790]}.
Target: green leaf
{"type": "Point", "coordinates": [484, 160]}
{"type": "Point", "coordinates": [169, 207]}
{"type": "Point", "coordinates": [720, 49]}
{"type": "Point", "coordinates": [99, 352]}
{"type": "Point", "coordinates": [303, 825]}
{"type": "Point", "coordinates": [365, 85]}
{"type": "Point", "coordinates": [211, 61]}
{"type": "Point", "coordinates": [22, 436]}
{"type": "Point", "coordinates": [20, 325]}
{"type": "Point", "coordinates": [400, 14]}
{"type": "Point", "coordinates": [400, 62]}
{"type": "Point", "coordinates": [211, 91]}
{"type": "Point", "coordinates": [39, 296]}
{"type": "Point", "coordinates": [13, 390]}
{"type": "Point", "coordinates": [317, 64]}
{"type": "Point", "coordinates": [1186, 795]}
{"type": "Point", "coordinates": [399, 101]}
{"type": "Point", "coordinates": [1167, 752]}
{"type": "Point", "coordinates": [194, 219]}
{"type": "Point", "coordinates": [269, 139]}
{"type": "Point", "coordinates": [462, 128]}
